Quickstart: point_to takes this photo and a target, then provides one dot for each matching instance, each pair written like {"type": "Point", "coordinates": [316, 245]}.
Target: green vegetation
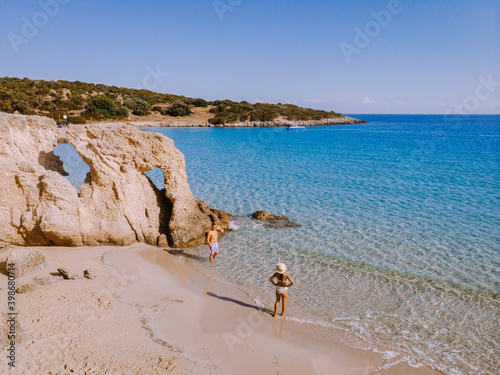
{"type": "Point", "coordinates": [200, 103]}
{"type": "Point", "coordinates": [141, 107]}
{"type": "Point", "coordinates": [83, 102]}
{"type": "Point", "coordinates": [80, 101]}
{"type": "Point", "coordinates": [179, 109]}
{"type": "Point", "coordinates": [101, 107]}
{"type": "Point", "coordinates": [226, 111]}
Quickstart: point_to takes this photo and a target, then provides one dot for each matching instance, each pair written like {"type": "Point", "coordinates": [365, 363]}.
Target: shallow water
{"type": "Point", "coordinates": [400, 232]}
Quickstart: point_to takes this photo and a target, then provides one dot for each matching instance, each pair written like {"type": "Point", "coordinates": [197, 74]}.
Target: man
{"type": "Point", "coordinates": [212, 238]}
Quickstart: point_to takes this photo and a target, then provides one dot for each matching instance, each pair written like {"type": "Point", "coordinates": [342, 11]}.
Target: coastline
{"type": "Point", "coordinates": [174, 122]}
{"type": "Point", "coordinates": [341, 120]}
{"type": "Point", "coordinates": [148, 312]}
{"type": "Point", "coordinates": [185, 123]}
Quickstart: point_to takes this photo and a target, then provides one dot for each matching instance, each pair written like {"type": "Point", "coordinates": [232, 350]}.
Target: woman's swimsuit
{"type": "Point", "coordinates": [281, 289]}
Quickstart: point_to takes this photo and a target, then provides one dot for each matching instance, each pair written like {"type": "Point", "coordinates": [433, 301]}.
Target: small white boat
{"type": "Point", "coordinates": [293, 127]}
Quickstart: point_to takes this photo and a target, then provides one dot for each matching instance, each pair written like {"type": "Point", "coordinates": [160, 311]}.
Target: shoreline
{"type": "Point", "coordinates": [341, 120]}
{"type": "Point", "coordinates": [147, 302]}
{"type": "Point", "coordinates": [186, 123]}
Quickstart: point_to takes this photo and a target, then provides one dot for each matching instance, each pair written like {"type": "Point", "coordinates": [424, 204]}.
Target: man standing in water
{"type": "Point", "coordinates": [212, 238]}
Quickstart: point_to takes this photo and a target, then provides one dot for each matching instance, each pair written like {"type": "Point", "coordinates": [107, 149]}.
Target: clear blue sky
{"type": "Point", "coordinates": [427, 58]}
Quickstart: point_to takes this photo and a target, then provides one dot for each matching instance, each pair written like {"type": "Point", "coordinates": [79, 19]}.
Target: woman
{"type": "Point", "coordinates": [282, 286]}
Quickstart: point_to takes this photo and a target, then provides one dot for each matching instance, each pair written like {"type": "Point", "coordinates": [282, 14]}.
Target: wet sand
{"type": "Point", "coordinates": [145, 312]}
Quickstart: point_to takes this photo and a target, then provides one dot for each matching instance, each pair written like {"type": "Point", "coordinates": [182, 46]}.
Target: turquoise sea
{"type": "Point", "coordinates": [400, 237]}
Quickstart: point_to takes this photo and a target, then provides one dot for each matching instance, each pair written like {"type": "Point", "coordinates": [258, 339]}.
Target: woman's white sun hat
{"type": "Point", "coordinates": [281, 267]}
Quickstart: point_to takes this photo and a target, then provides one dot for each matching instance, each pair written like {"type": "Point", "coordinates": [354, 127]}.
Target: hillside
{"type": "Point", "coordinates": [87, 102]}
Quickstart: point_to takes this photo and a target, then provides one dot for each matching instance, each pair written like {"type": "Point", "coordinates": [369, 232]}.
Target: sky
{"type": "Point", "coordinates": [363, 56]}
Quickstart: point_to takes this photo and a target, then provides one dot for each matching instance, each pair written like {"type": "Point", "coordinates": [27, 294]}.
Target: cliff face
{"type": "Point", "coordinates": [117, 203]}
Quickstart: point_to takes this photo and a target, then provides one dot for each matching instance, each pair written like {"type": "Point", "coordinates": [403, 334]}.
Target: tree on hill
{"type": "Point", "coordinates": [102, 107]}
{"type": "Point", "coordinates": [141, 108]}
{"type": "Point", "coordinates": [178, 109]}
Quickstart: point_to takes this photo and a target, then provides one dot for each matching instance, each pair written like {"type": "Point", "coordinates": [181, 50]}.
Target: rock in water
{"type": "Point", "coordinates": [117, 204]}
{"type": "Point", "coordinates": [274, 221]}
{"type": "Point", "coordinates": [263, 215]}
{"type": "Point", "coordinates": [26, 261]}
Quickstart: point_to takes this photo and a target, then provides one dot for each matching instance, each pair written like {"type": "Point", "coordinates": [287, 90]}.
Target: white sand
{"type": "Point", "coordinates": [145, 313]}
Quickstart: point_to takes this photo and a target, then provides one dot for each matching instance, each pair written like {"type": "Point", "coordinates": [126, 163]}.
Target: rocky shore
{"type": "Point", "coordinates": [117, 204]}
{"type": "Point", "coordinates": [341, 120]}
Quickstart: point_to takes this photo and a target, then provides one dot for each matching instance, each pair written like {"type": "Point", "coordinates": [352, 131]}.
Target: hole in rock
{"type": "Point", "coordinates": [156, 180]}
{"type": "Point", "coordinates": [72, 163]}
{"type": "Point", "coordinates": [156, 177]}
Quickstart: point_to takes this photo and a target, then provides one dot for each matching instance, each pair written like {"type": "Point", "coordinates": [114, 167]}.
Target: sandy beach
{"type": "Point", "coordinates": [146, 312]}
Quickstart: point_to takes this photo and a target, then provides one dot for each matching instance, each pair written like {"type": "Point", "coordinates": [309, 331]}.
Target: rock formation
{"type": "Point", "coordinates": [274, 221]}
{"type": "Point", "coordinates": [25, 261]}
{"type": "Point", "coordinates": [117, 204]}
{"type": "Point", "coordinates": [66, 275]}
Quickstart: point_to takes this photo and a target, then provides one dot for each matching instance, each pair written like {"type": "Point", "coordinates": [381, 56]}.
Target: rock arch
{"type": "Point", "coordinates": [117, 203]}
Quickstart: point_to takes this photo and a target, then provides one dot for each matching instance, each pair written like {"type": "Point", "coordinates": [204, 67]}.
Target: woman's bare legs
{"type": "Point", "coordinates": [278, 297]}
{"type": "Point", "coordinates": [285, 294]}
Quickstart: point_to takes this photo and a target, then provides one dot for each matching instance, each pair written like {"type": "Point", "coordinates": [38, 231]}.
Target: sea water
{"type": "Point", "coordinates": [400, 238]}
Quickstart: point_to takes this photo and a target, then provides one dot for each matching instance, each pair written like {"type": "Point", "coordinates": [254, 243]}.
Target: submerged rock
{"type": "Point", "coordinates": [274, 221]}
{"type": "Point", "coordinates": [117, 204]}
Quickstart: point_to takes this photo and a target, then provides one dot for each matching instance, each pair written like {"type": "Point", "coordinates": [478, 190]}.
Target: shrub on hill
{"type": "Point", "coordinates": [200, 103]}
{"type": "Point", "coordinates": [22, 107]}
{"type": "Point", "coordinates": [76, 119]}
{"type": "Point", "coordinates": [102, 107]}
{"type": "Point", "coordinates": [146, 99]}
{"type": "Point", "coordinates": [122, 112]}
{"type": "Point", "coordinates": [216, 121]}
{"type": "Point", "coordinates": [161, 110]}
{"type": "Point", "coordinates": [141, 108]}
{"type": "Point", "coordinates": [178, 110]}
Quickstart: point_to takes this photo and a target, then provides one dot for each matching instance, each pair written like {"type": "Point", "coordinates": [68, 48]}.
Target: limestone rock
{"type": "Point", "coordinates": [89, 274]}
{"type": "Point", "coordinates": [274, 221]}
{"type": "Point", "coordinates": [117, 203]}
{"type": "Point", "coordinates": [66, 274]}
{"type": "Point", "coordinates": [162, 241]}
{"type": "Point", "coordinates": [262, 215]}
{"type": "Point", "coordinates": [26, 261]}
{"type": "Point", "coordinates": [26, 138]}
{"type": "Point", "coordinates": [26, 154]}
{"type": "Point", "coordinates": [58, 211]}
